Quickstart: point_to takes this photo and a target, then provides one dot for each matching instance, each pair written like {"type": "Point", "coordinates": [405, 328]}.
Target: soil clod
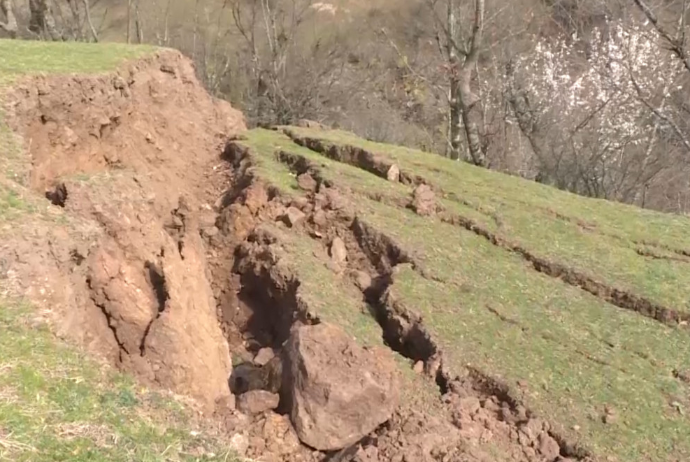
{"type": "Point", "coordinates": [257, 402]}
{"type": "Point", "coordinates": [58, 196]}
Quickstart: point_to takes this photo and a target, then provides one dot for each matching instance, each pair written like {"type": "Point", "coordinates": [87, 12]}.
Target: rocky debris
{"type": "Point", "coordinates": [257, 402]}
{"type": "Point", "coordinates": [362, 280]}
{"type": "Point", "coordinates": [367, 454]}
{"type": "Point", "coordinates": [424, 200]}
{"type": "Point", "coordinates": [393, 173]}
{"type": "Point", "coordinates": [417, 436]}
{"type": "Point", "coordinates": [320, 219]}
{"type": "Point", "coordinates": [339, 391]}
{"type": "Point", "coordinates": [264, 356]}
{"type": "Point", "coordinates": [335, 200]}
{"type": "Point", "coordinates": [548, 447]}
{"type": "Point", "coordinates": [239, 443]}
{"type": "Point", "coordinates": [248, 376]}
{"type": "Point", "coordinates": [255, 197]}
{"type": "Point", "coordinates": [225, 404]}
{"type": "Point", "coordinates": [275, 438]}
{"type": "Point", "coordinates": [210, 232]}
{"type": "Point", "coordinates": [306, 182]}
{"type": "Point", "coordinates": [338, 251]}
{"type": "Point", "coordinates": [293, 217]}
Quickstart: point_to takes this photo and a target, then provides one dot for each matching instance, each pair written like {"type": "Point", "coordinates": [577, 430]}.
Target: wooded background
{"type": "Point", "coordinates": [590, 96]}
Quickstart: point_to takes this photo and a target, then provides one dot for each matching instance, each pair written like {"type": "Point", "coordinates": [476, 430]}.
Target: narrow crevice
{"type": "Point", "coordinates": [680, 252]}
{"type": "Point", "coordinates": [272, 305]}
{"type": "Point", "coordinates": [612, 295]}
{"type": "Point", "coordinates": [648, 253]}
{"type": "Point", "coordinates": [157, 281]}
{"type": "Point", "coordinates": [109, 321]}
{"type": "Point", "coordinates": [238, 157]}
{"type": "Point", "coordinates": [358, 157]}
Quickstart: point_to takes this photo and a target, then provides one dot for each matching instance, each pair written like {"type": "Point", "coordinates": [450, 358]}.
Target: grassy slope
{"type": "Point", "coordinates": [576, 354]}
{"type": "Point", "coordinates": [56, 404]}
{"type": "Point", "coordinates": [595, 237]}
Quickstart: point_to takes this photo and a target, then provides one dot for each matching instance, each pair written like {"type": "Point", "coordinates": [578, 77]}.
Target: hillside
{"type": "Point", "coordinates": [144, 226]}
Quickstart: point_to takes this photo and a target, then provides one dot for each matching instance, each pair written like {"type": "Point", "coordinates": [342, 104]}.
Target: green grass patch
{"type": "Point", "coordinates": [58, 405]}
{"type": "Point", "coordinates": [12, 203]}
{"type": "Point", "coordinates": [19, 57]}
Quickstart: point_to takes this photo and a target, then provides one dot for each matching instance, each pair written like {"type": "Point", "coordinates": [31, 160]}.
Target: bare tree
{"type": "Point", "coordinates": [42, 21]}
{"type": "Point", "coordinates": [676, 42]}
{"type": "Point", "coordinates": [92, 28]}
{"type": "Point", "coordinates": [10, 24]}
{"type": "Point", "coordinates": [277, 62]}
{"type": "Point", "coordinates": [462, 56]}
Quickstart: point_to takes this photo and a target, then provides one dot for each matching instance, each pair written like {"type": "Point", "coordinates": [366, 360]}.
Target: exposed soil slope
{"type": "Point", "coordinates": [117, 152]}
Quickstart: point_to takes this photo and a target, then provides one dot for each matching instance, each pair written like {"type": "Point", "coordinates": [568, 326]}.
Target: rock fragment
{"type": "Point", "coordinates": [306, 182]}
{"type": "Point", "coordinates": [338, 251]}
{"type": "Point", "coordinates": [264, 356]}
{"type": "Point", "coordinates": [393, 173]}
{"type": "Point", "coordinates": [293, 217]}
{"type": "Point", "coordinates": [339, 390]}
{"type": "Point", "coordinates": [362, 280]}
{"type": "Point", "coordinates": [239, 443]}
{"type": "Point", "coordinates": [257, 401]}
{"type": "Point", "coordinates": [424, 200]}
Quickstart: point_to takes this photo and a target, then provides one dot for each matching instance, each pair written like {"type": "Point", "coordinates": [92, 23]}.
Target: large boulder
{"type": "Point", "coordinates": [339, 391]}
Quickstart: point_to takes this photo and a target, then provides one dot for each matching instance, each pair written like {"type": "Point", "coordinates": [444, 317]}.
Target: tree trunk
{"type": "Point", "coordinates": [455, 107]}
{"type": "Point", "coordinates": [87, 12]}
{"type": "Point", "coordinates": [464, 112]}
{"type": "Point", "coordinates": [138, 24]}
{"type": "Point", "coordinates": [129, 21]}
{"type": "Point", "coordinates": [10, 24]}
{"type": "Point", "coordinates": [42, 22]}
{"type": "Point", "coordinates": [471, 117]}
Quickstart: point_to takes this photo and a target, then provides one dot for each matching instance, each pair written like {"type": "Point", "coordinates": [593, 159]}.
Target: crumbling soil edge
{"type": "Point", "coordinates": [615, 296]}
{"type": "Point", "coordinates": [402, 329]}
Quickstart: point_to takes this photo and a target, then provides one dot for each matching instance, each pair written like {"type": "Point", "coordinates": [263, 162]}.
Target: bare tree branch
{"type": "Point", "coordinates": [10, 24]}
{"type": "Point", "coordinates": [87, 9]}
{"type": "Point", "coordinates": [675, 44]}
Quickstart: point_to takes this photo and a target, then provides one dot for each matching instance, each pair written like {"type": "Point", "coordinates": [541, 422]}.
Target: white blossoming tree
{"type": "Point", "coordinates": [600, 113]}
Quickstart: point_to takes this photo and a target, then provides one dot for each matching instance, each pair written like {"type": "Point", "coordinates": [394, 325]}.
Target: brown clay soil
{"type": "Point", "coordinates": [164, 265]}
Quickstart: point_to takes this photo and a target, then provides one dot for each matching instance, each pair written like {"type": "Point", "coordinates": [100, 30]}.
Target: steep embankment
{"type": "Point", "coordinates": [526, 324]}
{"type": "Point", "coordinates": [130, 154]}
